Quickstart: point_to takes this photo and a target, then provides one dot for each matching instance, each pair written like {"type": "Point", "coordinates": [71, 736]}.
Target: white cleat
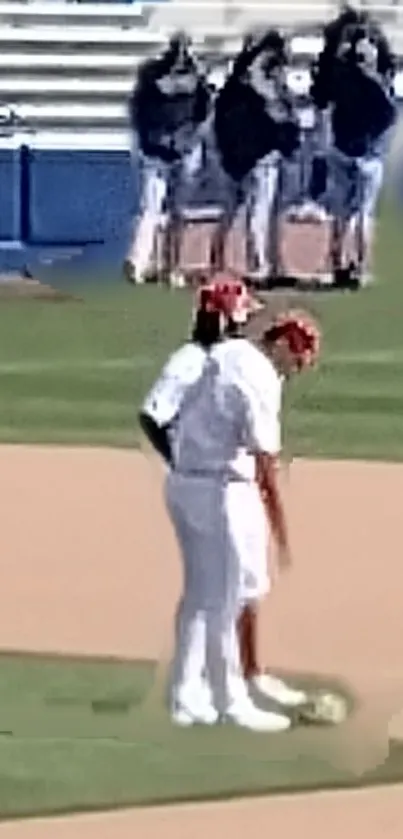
{"type": "Point", "coordinates": [177, 280]}
{"type": "Point", "coordinates": [184, 717]}
{"type": "Point", "coordinates": [278, 691]}
{"type": "Point", "coordinates": [366, 280]}
{"type": "Point", "coordinates": [259, 277]}
{"type": "Point", "coordinates": [246, 715]}
{"type": "Point", "coordinates": [130, 274]}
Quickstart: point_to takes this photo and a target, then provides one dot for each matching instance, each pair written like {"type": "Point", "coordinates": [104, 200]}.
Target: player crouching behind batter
{"type": "Point", "coordinates": [227, 426]}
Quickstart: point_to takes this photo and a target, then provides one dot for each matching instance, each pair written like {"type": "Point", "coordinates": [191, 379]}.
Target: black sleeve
{"type": "Point", "coordinates": [133, 109]}
{"type": "Point", "coordinates": [143, 103]}
{"type": "Point", "coordinates": [321, 90]}
{"type": "Point", "coordinates": [289, 137]}
{"type": "Point", "coordinates": [203, 101]}
{"type": "Point", "coordinates": [323, 68]}
{"type": "Point", "coordinates": [164, 153]}
{"type": "Point", "coordinates": [143, 93]}
{"type": "Point", "coordinates": [386, 56]}
{"type": "Point", "coordinates": [383, 108]}
{"type": "Point", "coordinates": [138, 99]}
{"type": "Point", "coordinates": [158, 437]}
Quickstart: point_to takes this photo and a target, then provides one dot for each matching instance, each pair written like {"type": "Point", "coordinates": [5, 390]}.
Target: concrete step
{"type": "Point", "coordinates": [72, 115]}
{"type": "Point", "coordinates": [23, 63]}
{"type": "Point", "coordinates": [98, 35]}
{"type": "Point", "coordinates": [74, 89]}
{"type": "Point", "coordinates": [56, 13]}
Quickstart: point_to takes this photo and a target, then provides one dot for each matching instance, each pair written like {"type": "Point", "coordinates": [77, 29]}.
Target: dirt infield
{"type": "Point", "coordinates": [338, 612]}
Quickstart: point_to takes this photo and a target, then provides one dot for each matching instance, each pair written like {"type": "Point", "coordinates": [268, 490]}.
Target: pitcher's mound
{"type": "Point", "coordinates": [17, 286]}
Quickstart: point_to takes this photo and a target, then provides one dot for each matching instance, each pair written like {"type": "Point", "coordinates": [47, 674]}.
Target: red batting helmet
{"type": "Point", "coordinates": [227, 295]}
{"type": "Point", "coordinates": [302, 334]}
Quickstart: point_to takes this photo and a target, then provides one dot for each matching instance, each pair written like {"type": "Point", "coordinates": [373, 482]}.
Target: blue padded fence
{"type": "Point", "coordinates": [74, 196]}
{"type": "Point", "coordinates": [10, 192]}
{"type": "Point", "coordinates": [79, 196]}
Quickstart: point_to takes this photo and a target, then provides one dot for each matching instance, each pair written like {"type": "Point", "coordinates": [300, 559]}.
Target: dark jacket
{"type": "Point", "coordinates": [323, 67]}
{"type": "Point", "coordinates": [247, 129]}
{"type": "Point", "coordinates": [363, 111]}
{"type": "Point", "coordinates": [340, 30]}
{"type": "Point", "coordinates": [165, 108]}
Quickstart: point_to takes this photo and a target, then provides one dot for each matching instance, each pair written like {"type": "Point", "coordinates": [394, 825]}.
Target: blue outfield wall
{"type": "Point", "coordinates": [80, 197]}
{"type": "Point", "coordinates": [77, 196]}
{"type": "Point", "coordinates": [10, 193]}
{"type": "Point", "coordinates": [64, 196]}
{"type": "Point", "coordinates": [83, 197]}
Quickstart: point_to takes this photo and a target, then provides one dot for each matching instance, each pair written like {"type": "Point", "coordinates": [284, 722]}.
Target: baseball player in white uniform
{"type": "Point", "coordinates": [214, 455]}
{"type": "Point", "coordinates": [222, 307]}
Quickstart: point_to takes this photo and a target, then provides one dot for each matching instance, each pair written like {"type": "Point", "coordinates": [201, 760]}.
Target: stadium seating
{"type": "Point", "coordinates": [55, 58]}
{"type": "Point", "coordinates": [68, 65]}
{"type": "Point", "coordinates": [71, 65]}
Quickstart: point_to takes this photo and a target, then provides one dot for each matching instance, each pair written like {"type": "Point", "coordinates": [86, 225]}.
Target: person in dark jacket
{"type": "Point", "coordinates": [352, 87]}
{"type": "Point", "coordinates": [254, 125]}
{"type": "Point", "coordinates": [169, 105]}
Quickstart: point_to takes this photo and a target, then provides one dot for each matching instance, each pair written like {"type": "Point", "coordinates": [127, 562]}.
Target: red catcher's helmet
{"type": "Point", "coordinates": [302, 334]}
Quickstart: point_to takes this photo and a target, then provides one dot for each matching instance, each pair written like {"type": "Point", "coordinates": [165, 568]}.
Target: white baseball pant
{"type": "Point", "coordinates": [258, 192]}
{"type": "Point", "coordinates": [223, 538]}
{"type": "Point", "coordinates": [157, 180]}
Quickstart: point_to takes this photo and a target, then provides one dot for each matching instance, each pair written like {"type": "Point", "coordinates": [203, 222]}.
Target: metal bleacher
{"type": "Point", "coordinates": [68, 67]}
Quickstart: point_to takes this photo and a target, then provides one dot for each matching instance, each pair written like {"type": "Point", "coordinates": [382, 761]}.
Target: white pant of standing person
{"type": "Point", "coordinates": [162, 187]}
{"type": "Point", "coordinates": [258, 192]}
{"type": "Point", "coordinates": [222, 533]}
{"type": "Point", "coordinates": [261, 220]}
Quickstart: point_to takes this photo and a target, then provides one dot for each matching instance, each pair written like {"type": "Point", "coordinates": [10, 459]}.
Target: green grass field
{"type": "Point", "coordinates": [82, 734]}
{"type": "Point", "coordinates": [76, 372]}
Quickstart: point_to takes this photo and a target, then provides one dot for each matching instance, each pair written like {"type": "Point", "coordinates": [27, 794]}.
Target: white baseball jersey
{"type": "Point", "coordinates": [182, 370]}
{"type": "Point", "coordinates": [231, 412]}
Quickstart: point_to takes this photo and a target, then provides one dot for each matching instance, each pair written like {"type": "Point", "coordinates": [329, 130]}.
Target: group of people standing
{"type": "Point", "coordinates": [246, 133]}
